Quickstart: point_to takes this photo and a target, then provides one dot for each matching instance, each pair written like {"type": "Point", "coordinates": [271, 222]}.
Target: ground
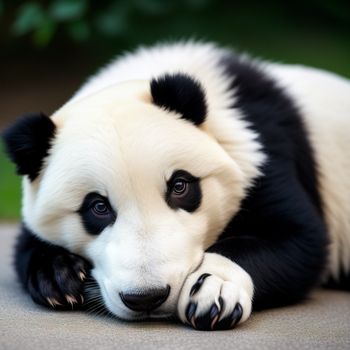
{"type": "Point", "coordinates": [322, 322]}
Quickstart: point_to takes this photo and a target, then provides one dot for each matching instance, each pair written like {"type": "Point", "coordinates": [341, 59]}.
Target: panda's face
{"type": "Point", "coordinates": [136, 189]}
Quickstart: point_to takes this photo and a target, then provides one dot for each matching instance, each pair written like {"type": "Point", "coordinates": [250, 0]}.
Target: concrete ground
{"type": "Point", "coordinates": [322, 322]}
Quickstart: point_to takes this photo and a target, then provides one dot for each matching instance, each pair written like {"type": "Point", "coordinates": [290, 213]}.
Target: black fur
{"type": "Point", "coordinates": [341, 283]}
{"type": "Point", "coordinates": [276, 119]}
{"type": "Point", "coordinates": [182, 94]}
{"type": "Point", "coordinates": [49, 271]}
{"type": "Point", "coordinates": [278, 236]}
{"type": "Point", "coordinates": [193, 198]}
{"type": "Point", "coordinates": [95, 224]}
{"type": "Point", "coordinates": [27, 142]}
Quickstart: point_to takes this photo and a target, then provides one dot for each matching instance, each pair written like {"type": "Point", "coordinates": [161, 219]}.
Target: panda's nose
{"type": "Point", "coordinates": [147, 300]}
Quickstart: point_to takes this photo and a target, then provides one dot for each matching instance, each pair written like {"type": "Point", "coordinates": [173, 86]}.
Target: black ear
{"type": "Point", "coordinates": [27, 142]}
{"type": "Point", "coordinates": [182, 94]}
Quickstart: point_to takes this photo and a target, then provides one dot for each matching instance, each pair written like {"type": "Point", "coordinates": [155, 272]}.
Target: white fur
{"type": "Point", "coordinates": [324, 99]}
{"type": "Point", "coordinates": [201, 61]}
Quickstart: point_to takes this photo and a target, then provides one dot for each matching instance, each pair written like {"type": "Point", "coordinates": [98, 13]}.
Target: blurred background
{"type": "Point", "coordinates": [48, 48]}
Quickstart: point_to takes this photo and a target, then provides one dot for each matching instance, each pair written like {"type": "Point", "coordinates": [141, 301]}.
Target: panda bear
{"type": "Point", "coordinates": [186, 181]}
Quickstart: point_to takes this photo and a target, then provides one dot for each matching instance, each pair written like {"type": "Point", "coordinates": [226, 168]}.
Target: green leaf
{"type": "Point", "coordinates": [79, 31]}
{"type": "Point", "coordinates": [43, 35]}
{"type": "Point", "coordinates": [10, 188]}
{"type": "Point", "coordinates": [66, 10]}
{"type": "Point", "coordinates": [29, 17]}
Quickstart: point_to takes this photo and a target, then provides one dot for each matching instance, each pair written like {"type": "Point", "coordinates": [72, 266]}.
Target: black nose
{"type": "Point", "coordinates": [147, 300]}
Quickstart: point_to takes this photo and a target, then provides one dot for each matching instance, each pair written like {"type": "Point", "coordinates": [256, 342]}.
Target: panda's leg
{"type": "Point", "coordinates": [282, 261]}
{"type": "Point", "coordinates": [53, 276]}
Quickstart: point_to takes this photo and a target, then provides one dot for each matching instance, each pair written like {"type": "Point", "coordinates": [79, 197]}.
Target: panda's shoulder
{"type": "Point", "coordinates": [273, 112]}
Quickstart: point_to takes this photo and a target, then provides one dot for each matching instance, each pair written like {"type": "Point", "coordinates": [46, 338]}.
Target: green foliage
{"type": "Point", "coordinates": [48, 21]}
{"type": "Point", "coordinates": [42, 22]}
{"type": "Point", "coordinates": [78, 19]}
{"type": "Point", "coordinates": [30, 16]}
{"type": "Point", "coordinates": [9, 189]}
{"type": "Point", "coordinates": [67, 10]}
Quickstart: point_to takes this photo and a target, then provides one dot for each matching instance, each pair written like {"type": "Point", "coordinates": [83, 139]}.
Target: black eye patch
{"type": "Point", "coordinates": [96, 213]}
{"type": "Point", "coordinates": [183, 191]}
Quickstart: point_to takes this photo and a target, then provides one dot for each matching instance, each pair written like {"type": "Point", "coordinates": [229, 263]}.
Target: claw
{"type": "Point", "coordinates": [53, 302]}
{"type": "Point", "coordinates": [190, 312]}
{"type": "Point", "coordinates": [71, 299]}
{"type": "Point", "coordinates": [193, 322]}
{"type": "Point", "coordinates": [214, 315]}
{"type": "Point", "coordinates": [195, 288]}
{"type": "Point", "coordinates": [82, 275]}
{"type": "Point", "coordinates": [236, 315]}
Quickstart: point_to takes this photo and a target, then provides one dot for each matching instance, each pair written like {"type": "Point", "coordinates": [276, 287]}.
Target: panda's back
{"type": "Point", "coordinates": [324, 101]}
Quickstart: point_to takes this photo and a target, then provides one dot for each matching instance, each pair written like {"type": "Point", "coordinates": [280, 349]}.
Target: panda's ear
{"type": "Point", "coordinates": [28, 141]}
{"type": "Point", "coordinates": [182, 94]}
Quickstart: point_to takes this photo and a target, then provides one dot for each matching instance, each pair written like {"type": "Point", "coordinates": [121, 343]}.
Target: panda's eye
{"type": "Point", "coordinates": [100, 208]}
{"type": "Point", "coordinates": [180, 187]}
{"type": "Point", "coordinates": [96, 213]}
{"type": "Point", "coordinates": [183, 191]}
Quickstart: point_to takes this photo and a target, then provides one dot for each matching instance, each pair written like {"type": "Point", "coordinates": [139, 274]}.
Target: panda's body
{"type": "Point", "coordinates": [222, 181]}
{"type": "Point", "coordinates": [323, 100]}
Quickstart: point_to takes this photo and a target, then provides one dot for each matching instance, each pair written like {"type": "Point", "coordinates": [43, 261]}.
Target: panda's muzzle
{"type": "Point", "coordinates": [145, 301]}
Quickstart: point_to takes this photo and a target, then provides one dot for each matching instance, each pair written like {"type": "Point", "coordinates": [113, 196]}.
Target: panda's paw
{"type": "Point", "coordinates": [57, 281]}
{"type": "Point", "coordinates": [216, 296]}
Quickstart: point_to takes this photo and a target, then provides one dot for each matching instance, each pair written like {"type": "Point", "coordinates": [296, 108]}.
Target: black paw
{"type": "Point", "coordinates": [57, 280]}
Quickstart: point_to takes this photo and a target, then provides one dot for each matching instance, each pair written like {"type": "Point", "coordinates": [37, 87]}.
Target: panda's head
{"type": "Point", "coordinates": [133, 179]}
